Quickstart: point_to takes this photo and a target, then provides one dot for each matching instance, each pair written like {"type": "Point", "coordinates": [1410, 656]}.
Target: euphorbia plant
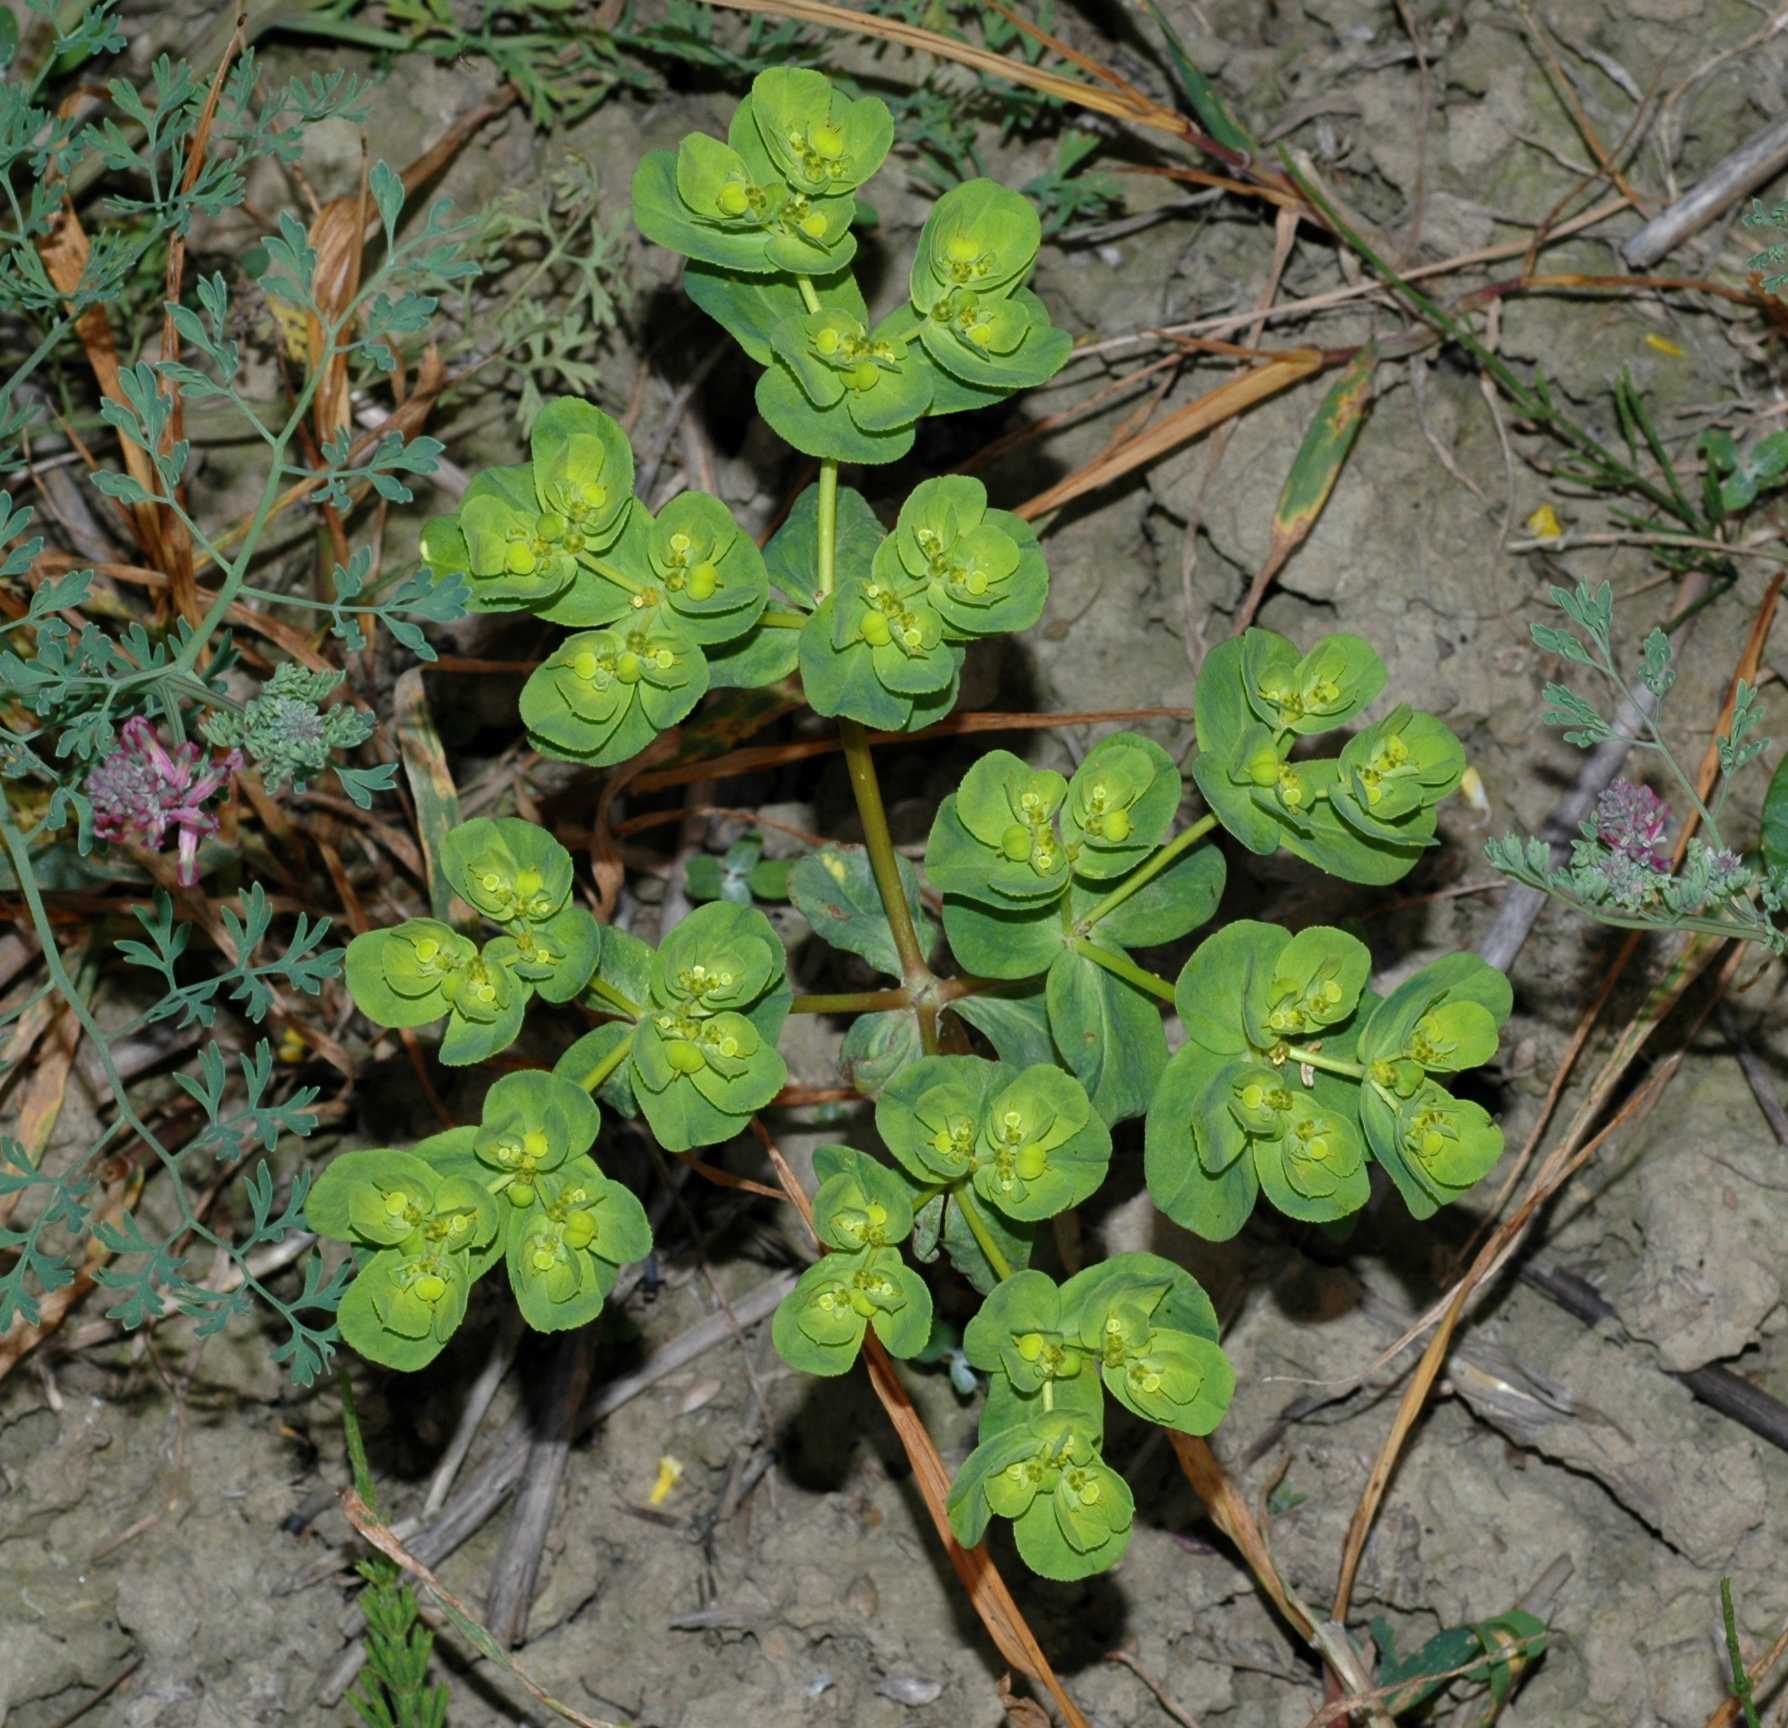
{"type": "Point", "coordinates": [1293, 1077]}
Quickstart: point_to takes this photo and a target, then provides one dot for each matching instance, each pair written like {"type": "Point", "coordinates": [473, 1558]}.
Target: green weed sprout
{"type": "Point", "coordinates": [1294, 1078]}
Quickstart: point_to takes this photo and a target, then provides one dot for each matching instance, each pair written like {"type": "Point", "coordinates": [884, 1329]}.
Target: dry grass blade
{"type": "Point", "coordinates": [431, 783]}
{"type": "Point", "coordinates": [176, 537]}
{"type": "Point", "coordinates": [1231, 1514]}
{"type": "Point", "coordinates": [1570, 1155]}
{"type": "Point", "coordinates": [382, 1538]}
{"type": "Point", "coordinates": [1313, 473]}
{"type": "Point", "coordinates": [283, 636]}
{"type": "Point", "coordinates": [987, 1591]}
{"type": "Point", "coordinates": [1179, 427]}
{"type": "Point", "coordinates": [1121, 103]}
{"type": "Point", "coordinates": [776, 755]}
{"type": "Point", "coordinates": [65, 250]}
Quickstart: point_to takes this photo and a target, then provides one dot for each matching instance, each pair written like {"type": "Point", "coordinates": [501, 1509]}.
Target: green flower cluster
{"type": "Point", "coordinates": [422, 1237]}
{"type": "Point", "coordinates": [1135, 1326]}
{"type": "Point", "coordinates": [1292, 1072]}
{"type": "Point", "coordinates": [1025, 1140]}
{"type": "Point", "coordinates": [862, 1212]}
{"type": "Point", "coordinates": [699, 1019]}
{"type": "Point", "coordinates": [1365, 815]}
{"type": "Point", "coordinates": [1031, 863]}
{"type": "Point", "coordinates": [765, 221]}
{"type": "Point", "coordinates": [776, 197]}
{"type": "Point", "coordinates": [563, 536]}
{"type": "Point", "coordinates": [520, 879]}
{"type": "Point", "coordinates": [888, 643]}
{"type": "Point", "coordinates": [521, 1187]}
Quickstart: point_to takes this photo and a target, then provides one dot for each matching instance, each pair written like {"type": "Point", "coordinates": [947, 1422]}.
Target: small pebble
{"type": "Point", "coordinates": [912, 1689]}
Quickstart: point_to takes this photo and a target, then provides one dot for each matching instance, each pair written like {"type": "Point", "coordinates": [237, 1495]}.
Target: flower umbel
{"type": "Point", "coordinates": [142, 790]}
{"type": "Point", "coordinates": [1632, 820]}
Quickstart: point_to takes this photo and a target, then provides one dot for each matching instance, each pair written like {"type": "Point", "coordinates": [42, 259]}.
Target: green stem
{"type": "Point", "coordinates": [779, 620]}
{"type": "Point", "coordinates": [623, 1004]}
{"type": "Point", "coordinates": [1328, 1064]}
{"type": "Point", "coordinates": [852, 1002]}
{"type": "Point", "coordinates": [1122, 966]}
{"type": "Point", "coordinates": [607, 1065]}
{"type": "Point", "coordinates": [828, 527]}
{"type": "Point", "coordinates": [971, 1216]}
{"type": "Point", "coordinates": [1741, 1679]}
{"type": "Point", "coordinates": [1146, 873]}
{"type": "Point", "coordinates": [18, 849]}
{"type": "Point", "coordinates": [809, 298]}
{"type": "Point", "coordinates": [883, 859]}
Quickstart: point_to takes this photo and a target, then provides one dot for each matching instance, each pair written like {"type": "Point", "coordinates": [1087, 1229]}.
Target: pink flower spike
{"type": "Point", "coordinates": [1633, 820]}
{"type": "Point", "coordinates": [143, 789]}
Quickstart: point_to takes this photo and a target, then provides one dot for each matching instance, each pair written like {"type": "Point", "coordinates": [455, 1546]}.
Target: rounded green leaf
{"type": "Point", "coordinates": [929, 1116]}
{"type": "Point", "coordinates": [403, 1306]}
{"type": "Point", "coordinates": [980, 238]}
{"type": "Point", "coordinates": [1314, 983]}
{"type": "Point", "coordinates": [1008, 809]}
{"type": "Point", "coordinates": [1212, 1206]}
{"type": "Point", "coordinates": [507, 868]}
{"type": "Point", "coordinates": [831, 434]}
{"type": "Point", "coordinates": [1217, 981]}
{"type": "Point", "coordinates": [860, 1203]}
{"type": "Point", "coordinates": [402, 977]}
{"type": "Point", "coordinates": [1040, 1148]}
{"type": "Point", "coordinates": [602, 695]}
{"type": "Point", "coordinates": [583, 474]}
{"type": "Point", "coordinates": [821, 141]}
{"type": "Point", "coordinates": [1316, 1170]}
{"type": "Point", "coordinates": [372, 1196]}
{"type": "Point", "coordinates": [1312, 693]}
{"type": "Point", "coordinates": [1120, 805]}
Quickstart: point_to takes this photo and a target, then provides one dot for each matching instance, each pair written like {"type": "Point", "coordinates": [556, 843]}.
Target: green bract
{"type": "Point", "coordinates": [1394, 773]}
{"type": "Point", "coordinates": [777, 195]}
{"type": "Point", "coordinates": [704, 1055]}
{"type": "Point", "coordinates": [982, 570]}
{"type": "Point", "coordinates": [604, 695]}
{"type": "Point", "coordinates": [975, 319]}
{"type": "Point", "coordinates": [1026, 1140]}
{"type": "Point", "coordinates": [1071, 1512]}
{"type": "Point", "coordinates": [1365, 816]}
{"type": "Point", "coordinates": [522, 533]}
{"type": "Point", "coordinates": [519, 877]}
{"type": "Point", "coordinates": [884, 648]}
{"type": "Point", "coordinates": [691, 570]}
{"type": "Point", "coordinates": [1443, 1020]}
{"type": "Point", "coordinates": [859, 1203]}
{"type": "Point", "coordinates": [1291, 1073]}
{"type": "Point", "coordinates": [422, 970]}
{"type": "Point", "coordinates": [424, 1229]}
{"type": "Point", "coordinates": [533, 1123]}
{"type": "Point", "coordinates": [979, 236]}
{"type": "Point", "coordinates": [995, 838]}
{"type": "Point", "coordinates": [860, 391]}
{"type": "Point", "coordinates": [821, 142]}
{"type": "Point", "coordinates": [565, 1248]}
{"type": "Point", "coordinates": [818, 1327]}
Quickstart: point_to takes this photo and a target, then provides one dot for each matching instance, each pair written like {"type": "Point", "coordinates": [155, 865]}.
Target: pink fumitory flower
{"type": "Point", "coordinates": [142, 790]}
{"type": "Point", "coordinates": [1633, 821]}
